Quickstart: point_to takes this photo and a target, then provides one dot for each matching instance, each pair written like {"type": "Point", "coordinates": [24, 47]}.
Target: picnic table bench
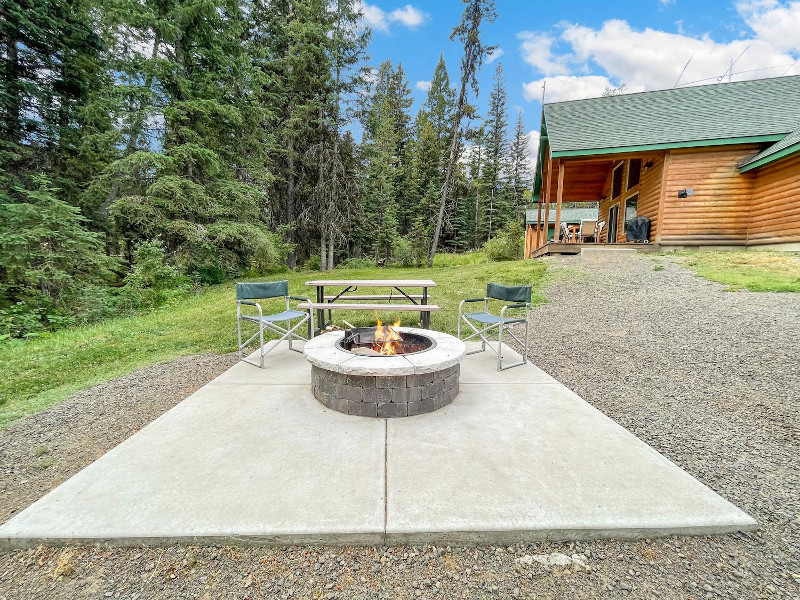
{"type": "Point", "coordinates": [415, 302]}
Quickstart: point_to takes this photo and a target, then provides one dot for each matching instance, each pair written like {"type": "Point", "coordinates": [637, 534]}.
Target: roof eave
{"type": "Point", "coordinates": [788, 151]}
{"type": "Point", "coordinates": [668, 146]}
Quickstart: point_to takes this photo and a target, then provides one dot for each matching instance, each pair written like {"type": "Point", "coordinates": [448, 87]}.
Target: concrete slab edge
{"type": "Point", "coordinates": [453, 538]}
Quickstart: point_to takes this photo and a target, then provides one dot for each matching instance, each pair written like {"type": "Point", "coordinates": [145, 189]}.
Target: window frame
{"type": "Point", "coordinates": [621, 168]}
{"type": "Point", "coordinates": [628, 186]}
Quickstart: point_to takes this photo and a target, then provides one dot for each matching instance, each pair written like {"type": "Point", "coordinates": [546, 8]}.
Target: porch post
{"type": "Point", "coordinates": [538, 237]}
{"type": "Point", "coordinates": [559, 197]}
{"type": "Point", "coordinates": [545, 224]}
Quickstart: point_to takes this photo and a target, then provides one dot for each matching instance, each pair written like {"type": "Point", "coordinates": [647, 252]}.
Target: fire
{"type": "Point", "coordinates": [387, 338]}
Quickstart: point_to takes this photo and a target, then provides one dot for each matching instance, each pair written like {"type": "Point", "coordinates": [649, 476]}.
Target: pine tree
{"type": "Point", "coordinates": [385, 147]}
{"type": "Point", "coordinates": [519, 178]}
{"type": "Point", "coordinates": [468, 32]}
{"type": "Point", "coordinates": [497, 207]}
{"type": "Point", "coordinates": [196, 194]}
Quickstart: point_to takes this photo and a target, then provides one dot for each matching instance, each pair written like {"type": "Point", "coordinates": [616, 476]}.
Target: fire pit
{"type": "Point", "coordinates": [384, 341]}
{"type": "Point", "coordinates": [385, 371]}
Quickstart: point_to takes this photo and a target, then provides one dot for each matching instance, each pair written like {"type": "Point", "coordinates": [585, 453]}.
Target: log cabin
{"type": "Point", "coordinates": [711, 166]}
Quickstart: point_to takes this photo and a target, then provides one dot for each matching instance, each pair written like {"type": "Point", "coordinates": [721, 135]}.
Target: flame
{"type": "Point", "coordinates": [387, 338]}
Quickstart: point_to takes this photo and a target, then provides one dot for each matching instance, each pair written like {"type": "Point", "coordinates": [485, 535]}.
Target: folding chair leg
{"type": "Point", "coordinates": [261, 344]}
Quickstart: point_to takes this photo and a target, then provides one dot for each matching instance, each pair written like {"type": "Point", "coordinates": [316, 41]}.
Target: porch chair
{"type": "Point", "coordinates": [520, 296]}
{"type": "Point", "coordinates": [566, 233]}
{"type": "Point", "coordinates": [588, 230]}
{"type": "Point", "coordinates": [247, 294]}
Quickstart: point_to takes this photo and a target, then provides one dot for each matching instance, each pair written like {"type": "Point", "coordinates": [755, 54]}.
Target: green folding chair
{"type": "Point", "coordinates": [487, 322]}
{"type": "Point", "coordinates": [247, 294]}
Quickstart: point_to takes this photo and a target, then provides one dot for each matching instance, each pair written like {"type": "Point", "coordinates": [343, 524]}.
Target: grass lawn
{"type": "Point", "coordinates": [755, 271]}
{"type": "Point", "coordinates": [41, 372]}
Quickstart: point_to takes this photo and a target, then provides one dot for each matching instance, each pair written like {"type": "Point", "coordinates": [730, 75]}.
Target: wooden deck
{"type": "Point", "coordinates": [556, 248]}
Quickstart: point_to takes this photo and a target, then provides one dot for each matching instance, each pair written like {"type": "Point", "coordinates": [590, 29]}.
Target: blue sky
{"type": "Point", "coordinates": [580, 47]}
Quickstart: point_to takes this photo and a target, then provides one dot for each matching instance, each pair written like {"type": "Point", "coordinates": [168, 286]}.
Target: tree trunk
{"type": "Point", "coordinates": [330, 253]}
{"type": "Point", "coordinates": [323, 262]}
{"type": "Point", "coordinates": [291, 258]}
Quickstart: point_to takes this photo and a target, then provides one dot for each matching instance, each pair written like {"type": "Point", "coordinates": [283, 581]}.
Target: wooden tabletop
{"type": "Point", "coordinates": [425, 283]}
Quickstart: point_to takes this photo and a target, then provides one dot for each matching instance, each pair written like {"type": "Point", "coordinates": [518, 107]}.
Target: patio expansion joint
{"type": "Point", "coordinates": [385, 477]}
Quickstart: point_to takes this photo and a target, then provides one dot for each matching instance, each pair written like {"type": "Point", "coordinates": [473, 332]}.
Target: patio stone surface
{"type": "Point", "coordinates": [253, 458]}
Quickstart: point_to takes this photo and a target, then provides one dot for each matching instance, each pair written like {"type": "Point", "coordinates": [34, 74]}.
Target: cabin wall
{"type": "Point", "coordinates": [775, 205]}
{"type": "Point", "coordinates": [718, 213]}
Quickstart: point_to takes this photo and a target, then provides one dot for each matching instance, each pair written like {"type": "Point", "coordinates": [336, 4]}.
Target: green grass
{"type": "Point", "coordinates": [38, 373]}
{"type": "Point", "coordinates": [756, 271]}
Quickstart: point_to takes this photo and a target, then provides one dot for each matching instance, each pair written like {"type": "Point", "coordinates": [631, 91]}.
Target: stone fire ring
{"type": "Point", "coordinates": [385, 386]}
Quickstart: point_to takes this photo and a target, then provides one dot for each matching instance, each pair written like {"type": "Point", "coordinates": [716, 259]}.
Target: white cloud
{"type": "Point", "coordinates": [374, 16]}
{"type": "Point", "coordinates": [409, 16]}
{"type": "Point", "coordinates": [498, 52]}
{"type": "Point", "coordinates": [665, 2]}
{"type": "Point", "coordinates": [566, 87]}
{"type": "Point", "coordinates": [425, 86]}
{"type": "Point", "coordinates": [377, 18]}
{"type": "Point", "coordinates": [537, 51]}
{"type": "Point", "coordinates": [773, 21]}
{"type": "Point", "coordinates": [533, 148]}
{"type": "Point", "coordinates": [606, 53]}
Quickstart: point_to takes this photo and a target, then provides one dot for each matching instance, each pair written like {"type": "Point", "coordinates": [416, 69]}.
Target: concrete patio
{"type": "Point", "coordinates": [253, 458]}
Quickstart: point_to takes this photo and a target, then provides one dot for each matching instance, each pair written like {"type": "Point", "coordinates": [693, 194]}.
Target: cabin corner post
{"type": "Point", "coordinates": [559, 198]}
{"type": "Point", "coordinates": [662, 198]}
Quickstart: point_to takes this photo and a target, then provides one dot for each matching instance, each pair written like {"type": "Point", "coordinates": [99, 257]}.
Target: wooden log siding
{"type": "Point", "coordinates": [719, 211]}
{"type": "Point", "coordinates": [775, 205]}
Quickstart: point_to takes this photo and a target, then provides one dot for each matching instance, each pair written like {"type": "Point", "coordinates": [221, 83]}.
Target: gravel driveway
{"type": "Point", "coordinates": [707, 377]}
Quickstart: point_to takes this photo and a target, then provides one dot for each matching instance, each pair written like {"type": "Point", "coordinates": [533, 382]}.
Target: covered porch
{"type": "Point", "coordinates": [613, 188]}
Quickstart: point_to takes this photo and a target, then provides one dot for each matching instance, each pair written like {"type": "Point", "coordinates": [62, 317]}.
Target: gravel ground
{"type": "Point", "coordinates": [708, 378]}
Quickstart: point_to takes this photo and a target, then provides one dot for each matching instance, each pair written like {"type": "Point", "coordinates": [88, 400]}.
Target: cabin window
{"type": "Point", "coordinates": [631, 204]}
{"type": "Point", "coordinates": [634, 172]}
{"type": "Point", "coordinates": [616, 181]}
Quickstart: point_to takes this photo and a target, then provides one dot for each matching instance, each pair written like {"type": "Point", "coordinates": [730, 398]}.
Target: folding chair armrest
{"type": "Point", "coordinates": [513, 306]}
{"type": "Point", "coordinates": [503, 310]}
{"type": "Point", "coordinates": [299, 298]}
{"type": "Point", "coordinates": [461, 304]}
{"type": "Point", "coordinates": [250, 303]}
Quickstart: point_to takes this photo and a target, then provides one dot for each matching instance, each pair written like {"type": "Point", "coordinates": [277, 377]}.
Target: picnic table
{"type": "Point", "coordinates": [417, 301]}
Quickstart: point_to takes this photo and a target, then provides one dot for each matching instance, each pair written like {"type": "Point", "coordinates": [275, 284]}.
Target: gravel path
{"type": "Point", "coordinates": [708, 378]}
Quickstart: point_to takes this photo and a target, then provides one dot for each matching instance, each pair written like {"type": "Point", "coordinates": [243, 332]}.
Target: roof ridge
{"type": "Point", "coordinates": [675, 89]}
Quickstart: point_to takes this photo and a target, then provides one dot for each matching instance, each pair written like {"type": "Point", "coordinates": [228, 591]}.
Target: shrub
{"type": "Point", "coordinates": [151, 281]}
{"type": "Point", "coordinates": [507, 244]}
{"type": "Point", "coordinates": [356, 263]}
{"type": "Point", "coordinates": [53, 270]}
{"type": "Point", "coordinates": [314, 263]}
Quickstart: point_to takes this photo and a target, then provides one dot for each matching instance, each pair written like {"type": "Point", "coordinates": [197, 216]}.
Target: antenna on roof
{"type": "Point", "coordinates": [677, 81]}
{"type": "Point", "coordinates": [544, 87]}
{"type": "Point", "coordinates": [729, 72]}
{"type": "Point", "coordinates": [790, 67]}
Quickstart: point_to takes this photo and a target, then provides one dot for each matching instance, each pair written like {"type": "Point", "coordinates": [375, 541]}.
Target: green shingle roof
{"type": "Point", "coordinates": [757, 110]}
{"type": "Point", "coordinates": [568, 215]}
{"type": "Point", "coordinates": [788, 145]}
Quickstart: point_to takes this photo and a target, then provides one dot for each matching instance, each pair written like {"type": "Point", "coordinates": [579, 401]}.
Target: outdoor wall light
{"type": "Point", "coordinates": [647, 165]}
{"type": "Point", "coordinates": [685, 193]}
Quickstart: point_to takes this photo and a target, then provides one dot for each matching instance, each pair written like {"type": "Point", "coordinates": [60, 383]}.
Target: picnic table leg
{"type": "Point", "coordinates": [425, 316]}
{"type": "Point", "coordinates": [321, 312]}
